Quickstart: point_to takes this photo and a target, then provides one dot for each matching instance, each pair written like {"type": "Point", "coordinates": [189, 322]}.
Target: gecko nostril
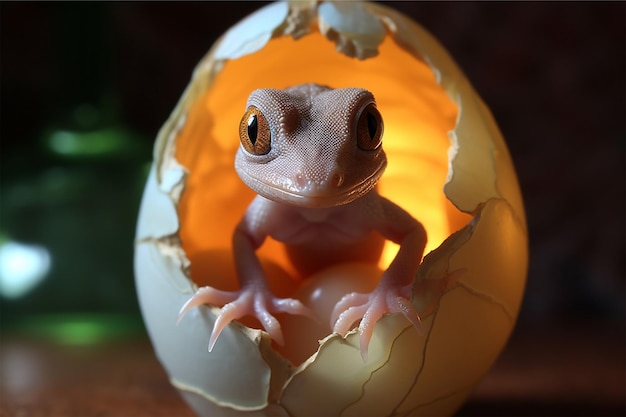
{"type": "Point", "coordinates": [300, 181]}
{"type": "Point", "coordinates": [337, 180]}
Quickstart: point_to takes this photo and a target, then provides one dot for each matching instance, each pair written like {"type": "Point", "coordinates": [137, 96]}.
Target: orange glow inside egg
{"type": "Point", "coordinates": [417, 114]}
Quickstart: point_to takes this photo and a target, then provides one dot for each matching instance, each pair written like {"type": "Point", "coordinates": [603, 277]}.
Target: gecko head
{"type": "Point", "coordinates": [310, 145]}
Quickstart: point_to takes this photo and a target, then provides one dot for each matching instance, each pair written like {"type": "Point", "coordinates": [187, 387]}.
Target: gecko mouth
{"type": "Point", "coordinates": [308, 195]}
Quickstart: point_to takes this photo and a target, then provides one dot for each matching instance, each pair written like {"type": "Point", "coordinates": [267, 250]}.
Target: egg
{"type": "Point", "coordinates": [448, 166]}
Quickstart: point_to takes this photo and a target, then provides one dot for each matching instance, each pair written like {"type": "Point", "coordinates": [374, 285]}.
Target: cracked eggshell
{"type": "Point", "coordinates": [458, 179]}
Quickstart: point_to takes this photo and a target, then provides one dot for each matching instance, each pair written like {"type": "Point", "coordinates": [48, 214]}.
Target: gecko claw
{"type": "Point", "coordinates": [369, 308]}
{"type": "Point", "coordinates": [405, 307]}
{"type": "Point", "coordinates": [206, 295]}
{"type": "Point", "coordinates": [245, 302]}
{"type": "Point", "coordinates": [343, 315]}
{"type": "Point", "coordinates": [294, 307]}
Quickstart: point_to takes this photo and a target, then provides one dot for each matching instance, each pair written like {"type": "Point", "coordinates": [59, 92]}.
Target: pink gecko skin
{"type": "Point", "coordinates": [313, 156]}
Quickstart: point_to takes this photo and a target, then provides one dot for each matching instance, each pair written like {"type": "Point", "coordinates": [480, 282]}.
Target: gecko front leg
{"type": "Point", "coordinates": [393, 293]}
{"type": "Point", "coordinates": [254, 298]}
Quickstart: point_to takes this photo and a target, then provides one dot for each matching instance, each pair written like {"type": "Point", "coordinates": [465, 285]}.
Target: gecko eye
{"type": "Point", "coordinates": [254, 132]}
{"type": "Point", "coordinates": [369, 128]}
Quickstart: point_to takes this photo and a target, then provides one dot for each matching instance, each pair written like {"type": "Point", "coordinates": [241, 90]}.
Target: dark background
{"type": "Point", "coordinates": [103, 77]}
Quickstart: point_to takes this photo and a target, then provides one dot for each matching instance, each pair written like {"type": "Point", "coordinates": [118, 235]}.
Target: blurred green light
{"type": "Point", "coordinates": [103, 142]}
{"type": "Point", "coordinates": [82, 329]}
{"type": "Point", "coordinates": [79, 332]}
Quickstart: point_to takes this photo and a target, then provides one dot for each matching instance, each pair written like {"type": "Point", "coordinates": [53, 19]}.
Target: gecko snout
{"type": "Point", "coordinates": [312, 185]}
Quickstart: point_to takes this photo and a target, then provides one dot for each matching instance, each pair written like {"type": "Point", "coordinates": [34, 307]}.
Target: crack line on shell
{"type": "Point", "coordinates": [195, 390]}
{"type": "Point", "coordinates": [394, 411]}
{"type": "Point", "coordinates": [169, 247]}
{"type": "Point", "coordinates": [382, 365]}
{"type": "Point", "coordinates": [472, 228]}
{"type": "Point", "coordinates": [488, 298]}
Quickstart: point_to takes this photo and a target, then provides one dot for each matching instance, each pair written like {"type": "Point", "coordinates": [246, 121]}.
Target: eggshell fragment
{"type": "Point", "coordinates": [248, 36]}
{"type": "Point", "coordinates": [468, 289]}
{"type": "Point", "coordinates": [355, 31]}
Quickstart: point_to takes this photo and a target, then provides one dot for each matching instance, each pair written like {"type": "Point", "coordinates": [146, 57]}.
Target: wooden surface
{"type": "Point", "coordinates": [545, 370]}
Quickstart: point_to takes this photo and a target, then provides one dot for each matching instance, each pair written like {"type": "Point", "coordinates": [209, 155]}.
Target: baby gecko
{"type": "Point", "coordinates": [313, 155]}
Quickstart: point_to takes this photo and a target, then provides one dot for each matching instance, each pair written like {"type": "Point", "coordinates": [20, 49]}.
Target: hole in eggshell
{"type": "Point", "coordinates": [417, 114]}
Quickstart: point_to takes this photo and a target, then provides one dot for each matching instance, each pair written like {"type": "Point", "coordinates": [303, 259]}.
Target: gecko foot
{"type": "Point", "coordinates": [259, 303]}
{"type": "Point", "coordinates": [369, 308]}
